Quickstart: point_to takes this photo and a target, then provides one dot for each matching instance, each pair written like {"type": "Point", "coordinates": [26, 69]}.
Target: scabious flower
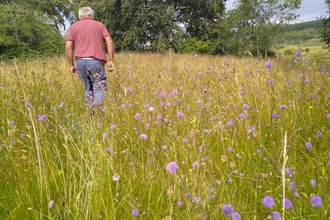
{"type": "Point", "coordinates": [308, 146]}
{"type": "Point", "coordinates": [328, 115]}
{"type": "Point", "coordinates": [135, 212]}
{"type": "Point", "coordinates": [138, 116]}
{"type": "Point", "coordinates": [298, 53]}
{"type": "Point", "coordinates": [172, 167]}
{"type": "Point", "coordinates": [269, 65]}
{"type": "Point", "coordinates": [316, 201]}
{"type": "Point", "coordinates": [105, 136]}
{"type": "Point", "coordinates": [275, 216]}
{"type": "Point", "coordinates": [235, 216]}
{"type": "Point", "coordinates": [268, 201]}
{"type": "Point", "coordinates": [180, 115]}
{"type": "Point", "coordinates": [313, 183]}
{"type": "Point", "coordinates": [287, 204]}
{"type": "Point", "coordinates": [116, 177]}
{"type": "Point", "coordinates": [283, 107]}
{"type": "Point", "coordinates": [227, 209]}
{"type": "Point", "coordinates": [42, 117]}
{"type": "Point", "coordinates": [143, 136]}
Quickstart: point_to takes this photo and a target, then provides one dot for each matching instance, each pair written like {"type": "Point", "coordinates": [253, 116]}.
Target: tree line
{"type": "Point", "coordinates": [32, 28]}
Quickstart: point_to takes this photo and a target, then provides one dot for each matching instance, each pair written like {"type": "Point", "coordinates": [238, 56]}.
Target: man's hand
{"type": "Point", "coordinates": [111, 66]}
{"type": "Point", "coordinates": [74, 70]}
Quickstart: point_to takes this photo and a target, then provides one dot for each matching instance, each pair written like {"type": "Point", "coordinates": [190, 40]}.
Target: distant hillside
{"type": "Point", "coordinates": [304, 25]}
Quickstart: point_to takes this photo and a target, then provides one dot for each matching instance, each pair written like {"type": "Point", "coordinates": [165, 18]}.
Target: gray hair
{"type": "Point", "coordinates": [85, 12]}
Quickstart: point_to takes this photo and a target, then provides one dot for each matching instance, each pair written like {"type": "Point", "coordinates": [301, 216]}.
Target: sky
{"type": "Point", "coordinates": [309, 10]}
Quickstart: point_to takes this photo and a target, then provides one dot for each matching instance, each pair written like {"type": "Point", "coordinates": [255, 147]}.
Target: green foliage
{"type": "Point", "coordinates": [261, 21]}
{"type": "Point", "coordinates": [192, 45]}
{"type": "Point", "coordinates": [26, 34]}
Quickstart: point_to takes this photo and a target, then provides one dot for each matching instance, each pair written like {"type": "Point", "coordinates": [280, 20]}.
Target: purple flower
{"type": "Point", "coordinates": [42, 117]}
{"type": "Point", "coordinates": [143, 136]}
{"type": "Point", "coordinates": [235, 216]}
{"type": "Point", "coordinates": [293, 185]}
{"type": "Point", "coordinates": [242, 116]}
{"type": "Point", "coordinates": [172, 167]}
{"type": "Point", "coordinates": [105, 136]}
{"type": "Point", "coordinates": [328, 115]}
{"type": "Point", "coordinates": [227, 209]}
{"type": "Point", "coordinates": [275, 216]}
{"type": "Point", "coordinates": [196, 56]}
{"type": "Point", "coordinates": [287, 204]}
{"type": "Point", "coordinates": [323, 68]}
{"type": "Point", "coordinates": [135, 212]}
{"type": "Point", "coordinates": [180, 115]}
{"type": "Point", "coordinates": [283, 107]}
{"type": "Point", "coordinates": [269, 65]}
{"type": "Point", "coordinates": [180, 203]}
{"type": "Point", "coordinates": [268, 201]}
{"type": "Point", "coordinates": [313, 183]}
{"type": "Point", "coordinates": [28, 105]}
{"type": "Point", "coordinates": [246, 106]}
{"type": "Point", "coordinates": [10, 123]}
{"type": "Point", "coordinates": [159, 117]}
{"type": "Point", "coordinates": [289, 172]}
{"type": "Point", "coordinates": [298, 53]}
{"type": "Point", "coordinates": [138, 116]}
{"type": "Point", "coordinates": [316, 201]}
{"type": "Point", "coordinates": [308, 146]}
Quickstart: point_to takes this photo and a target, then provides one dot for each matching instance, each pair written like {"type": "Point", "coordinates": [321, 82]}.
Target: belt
{"type": "Point", "coordinates": [86, 58]}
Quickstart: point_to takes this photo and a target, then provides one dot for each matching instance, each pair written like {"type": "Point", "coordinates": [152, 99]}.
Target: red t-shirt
{"type": "Point", "coordinates": [88, 37]}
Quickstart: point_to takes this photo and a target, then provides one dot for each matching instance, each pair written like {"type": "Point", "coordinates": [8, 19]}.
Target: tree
{"type": "Point", "coordinates": [325, 35]}
{"type": "Point", "coordinates": [24, 32]}
{"type": "Point", "coordinates": [261, 21]}
{"type": "Point", "coordinates": [157, 25]}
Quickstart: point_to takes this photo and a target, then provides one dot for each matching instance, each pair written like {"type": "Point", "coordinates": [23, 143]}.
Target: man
{"type": "Point", "coordinates": [87, 36]}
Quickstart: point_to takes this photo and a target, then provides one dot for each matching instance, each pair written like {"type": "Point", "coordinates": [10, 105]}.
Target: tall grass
{"type": "Point", "coordinates": [237, 131]}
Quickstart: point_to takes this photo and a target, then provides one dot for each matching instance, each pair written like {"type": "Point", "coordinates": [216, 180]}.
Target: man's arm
{"type": "Point", "coordinates": [111, 53]}
{"type": "Point", "coordinates": [69, 56]}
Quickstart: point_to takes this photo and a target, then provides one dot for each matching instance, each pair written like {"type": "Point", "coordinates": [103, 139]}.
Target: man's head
{"type": "Point", "coordinates": [85, 12]}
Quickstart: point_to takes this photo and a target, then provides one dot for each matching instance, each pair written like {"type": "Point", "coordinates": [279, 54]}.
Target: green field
{"type": "Point", "coordinates": [179, 137]}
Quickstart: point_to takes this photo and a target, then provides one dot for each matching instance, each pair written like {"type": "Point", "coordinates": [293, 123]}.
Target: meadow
{"type": "Point", "coordinates": [179, 137]}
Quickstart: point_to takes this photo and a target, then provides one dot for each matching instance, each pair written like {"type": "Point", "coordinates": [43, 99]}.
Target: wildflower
{"type": "Point", "coordinates": [50, 204]}
{"type": "Point", "coordinates": [180, 115]}
{"type": "Point", "coordinates": [135, 212]}
{"type": "Point", "coordinates": [235, 216]}
{"type": "Point", "coordinates": [323, 68]}
{"type": "Point", "coordinates": [143, 136]}
{"type": "Point", "coordinates": [246, 106]}
{"type": "Point", "coordinates": [180, 203]}
{"type": "Point", "coordinates": [268, 201]}
{"type": "Point", "coordinates": [10, 123]}
{"type": "Point", "coordinates": [287, 204]}
{"type": "Point", "coordinates": [328, 115]}
{"type": "Point", "coordinates": [138, 116]}
{"type": "Point", "coordinates": [196, 56]}
{"type": "Point", "coordinates": [61, 104]}
{"type": "Point", "coordinates": [298, 53]}
{"type": "Point", "coordinates": [28, 105]}
{"type": "Point", "coordinates": [308, 146]}
{"type": "Point", "coordinates": [116, 177]}
{"type": "Point", "coordinates": [269, 65]}
{"type": "Point", "coordinates": [242, 115]}
{"type": "Point", "coordinates": [196, 200]}
{"type": "Point", "coordinates": [293, 185]}
{"type": "Point", "coordinates": [151, 109]}
{"type": "Point", "coordinates": [289, 172]}
{"type": "Point", "coordinates": [164, 147]}
{"type": "Point", "coordinates": [270, 82]}
{"type": "Point", "coordinates": [42, 117]}
{"type": "Point", "coordinates": [316, 201]}
{"type": "Point", "coordinates": [105, 136]}
{"type": "Point", "coordinates": [283, 107]}
{"type": "Point", "coordinates": [231, 122]}
{"type": "Point", "coordinates": [319, 133]}
{"type": "Point", "coordinates": [159, 117]}
{"type": "Point", "coordinates": [275, 216]}
{"type": "Point", "coordinates": [172, 167]}
{"type": "Point", "coordinates": [313, 183]}
{"type": "Point", "coordinates": [227, 209]}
